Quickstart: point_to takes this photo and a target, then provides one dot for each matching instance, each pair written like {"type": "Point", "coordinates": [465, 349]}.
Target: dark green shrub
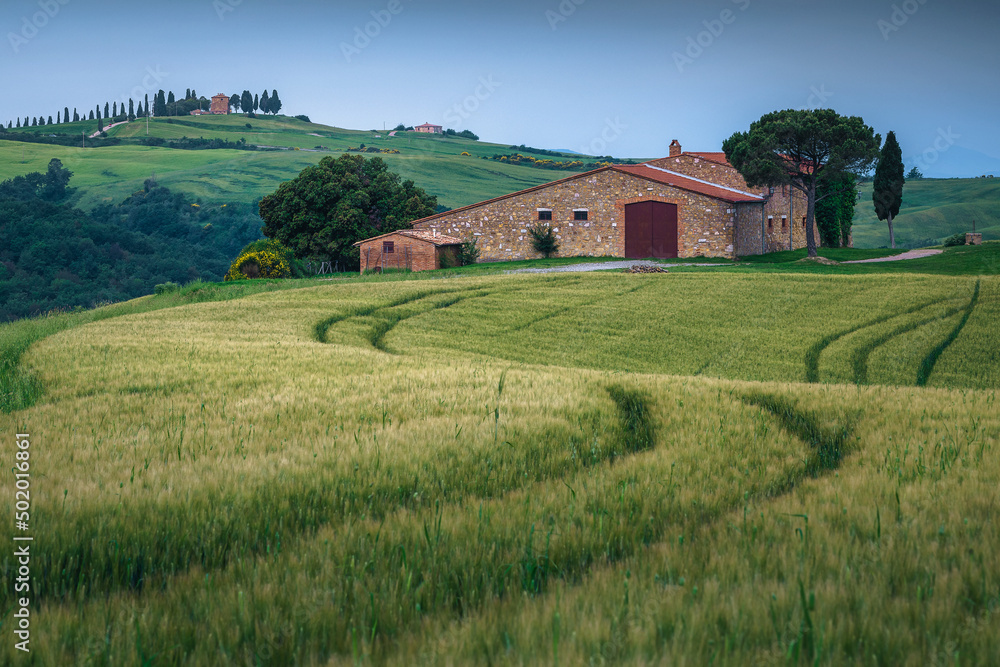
{"type": "Point", "coordinates": [543, 240]}
{"type": "Point", "coordinates": [449, 259]}
{"type": "Point", "coordinates": [468, 252]}
{"type": "Point", "coordinates": [955, 239]}
{"type": "Point", "coordinates": [166, 288]}
{"type": "Point", "coordinates": [303, 118]}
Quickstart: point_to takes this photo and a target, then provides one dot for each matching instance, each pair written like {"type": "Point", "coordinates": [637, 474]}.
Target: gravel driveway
{"type": "Point", "coordinates": [624, 264]}
{"type": "Point", "coordinates": [909, 254]}
{"type": "Point", "coordinates": [604, 266]}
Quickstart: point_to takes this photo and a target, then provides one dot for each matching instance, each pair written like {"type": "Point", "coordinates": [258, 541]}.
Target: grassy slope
{"type": "Point", "coordinates": [932, 210]}
{"type": "Point", "coordinates": [110, 174]}
{"type": "Point", "coordinates": [458, 476]}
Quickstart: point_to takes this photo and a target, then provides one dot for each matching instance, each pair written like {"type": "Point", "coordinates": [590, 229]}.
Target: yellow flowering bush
{"type": "Point", "coordinates": [268, 260]}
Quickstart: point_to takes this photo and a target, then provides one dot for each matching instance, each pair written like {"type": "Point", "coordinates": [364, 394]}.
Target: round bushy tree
{"type": "Point", "coordinates": [331, 206]}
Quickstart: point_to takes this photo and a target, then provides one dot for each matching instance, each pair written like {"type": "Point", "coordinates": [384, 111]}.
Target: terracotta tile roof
{"type": "Point", "coordinates": [431, 237]}
{"type": "Point", "coordinates": [719, 158]}
{"type": "Point", "coordinates": [688, 183]}
{"type": "Point", "coordinates": [421, 235]}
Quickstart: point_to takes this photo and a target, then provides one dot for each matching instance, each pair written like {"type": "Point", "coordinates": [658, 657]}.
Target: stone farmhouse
{"type": "Point", "coordinates": [428, 128]}
{"type": "Point", "coordinates": [685, 205]}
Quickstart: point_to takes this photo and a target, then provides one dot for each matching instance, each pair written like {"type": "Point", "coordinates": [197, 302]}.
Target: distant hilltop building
{"type": "Point", "coordinates": [220, 104]}
{"type": "Point", "coordinates": [427, 128]}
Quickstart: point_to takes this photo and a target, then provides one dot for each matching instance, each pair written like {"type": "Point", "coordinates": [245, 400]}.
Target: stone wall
{"type": "Point", "coordinates": [785, 202]}
{"type": "Point", "coordinates": [705, 225]}
{"type": "Point", "coordinates": [973, 238]}
{"type": "Point", "coordinates": [748, 223]}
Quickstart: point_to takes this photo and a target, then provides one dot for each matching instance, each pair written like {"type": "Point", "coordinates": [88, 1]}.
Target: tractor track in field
{"type": "Point", "coordinates": [860, 357]}
{"type": "Point", "coordinates": [927, 365]}
{"type": "Point", "coordinates": [568, 309]}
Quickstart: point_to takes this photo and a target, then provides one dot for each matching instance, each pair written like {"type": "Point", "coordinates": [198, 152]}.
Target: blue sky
{"type": "Point", "coordinates": [599, 76]}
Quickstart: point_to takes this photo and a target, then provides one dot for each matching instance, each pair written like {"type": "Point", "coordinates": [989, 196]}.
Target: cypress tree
{"type": "Point", "coordinates": [91, 115]}
{"type": "Point", "coordinates": [58, 118]}
{"type": "Point", "coordinates": [194, 95]}
{"type": "Point", "coordinates": [100, 125]}
{"type": "Point", "coordinates": [160, 104]}
{"type": "Point", "coordinates": [887, 188]}
{"type": "Point", "coordinates": [274, 102]}
{"type": "Point", "coordinates": [234, 102]}
{"type": "Point", "coordinates": [187, 94]}
{"type": "Point", "coordinates": [246, 101]}
{"type": "Point", "coordinates": [50, 121]}
{"type": "Point", "coordinates": [131, 109]}
{"type": "Point", "coordinates": [19, 121]}
{"type": "Point", "coordinates": [263, 102]}
{"type": "Point", "coordinates": [106, 109]}
{"type": "Point", "coordinates": [114, 109]}
{"type": "Point", "coordinates": [34, 122]}
{"type": "Point", "coordinates": [256, 103]}
{"type": "Point", "coordinates": [76, 115]}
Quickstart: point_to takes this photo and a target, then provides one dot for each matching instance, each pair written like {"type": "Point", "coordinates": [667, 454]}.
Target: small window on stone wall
{"type": "Point", "coordinates": [388, 247]}
{"type": "Point", "coordinates": [784, 223]}
{"type": "Point", "coordinates": [803, 222]}
{"type": "Point", "coordinates": [580, 214]}
{"type": "Point", "coordinates": [544, 214]}
{"type": "Point", "coordinates": [770, 223]}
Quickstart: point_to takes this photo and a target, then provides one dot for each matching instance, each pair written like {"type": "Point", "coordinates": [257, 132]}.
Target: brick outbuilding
{"type": "Point", "coordinates": [410, 249]}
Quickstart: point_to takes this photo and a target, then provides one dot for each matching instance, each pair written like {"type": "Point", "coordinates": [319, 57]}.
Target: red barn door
{"type": "Point", "coordinates": [650, 230]}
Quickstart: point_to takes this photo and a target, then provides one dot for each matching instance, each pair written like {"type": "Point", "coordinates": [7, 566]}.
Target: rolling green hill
{"type": "Point", "coordinates": [693, 468]}
{"type": "Point", "coordinates": [932, 210]}
{"type": "Point", "coordinates": [109, 174]}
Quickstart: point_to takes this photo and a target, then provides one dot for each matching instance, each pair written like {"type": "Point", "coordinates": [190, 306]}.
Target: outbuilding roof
{"type": "Point", "coordinates": [421, 235]}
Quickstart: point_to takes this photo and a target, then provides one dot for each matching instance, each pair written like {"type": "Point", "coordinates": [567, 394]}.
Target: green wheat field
{"type": "Point", "coordinates": [711, 466]}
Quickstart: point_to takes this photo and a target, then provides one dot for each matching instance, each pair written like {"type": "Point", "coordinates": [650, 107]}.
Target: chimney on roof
{"type": "Point", "coordinates": [675, 148]}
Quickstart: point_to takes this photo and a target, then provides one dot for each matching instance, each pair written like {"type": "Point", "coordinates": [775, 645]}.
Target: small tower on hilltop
{"type": "Point", "coordinates": [220, 104]}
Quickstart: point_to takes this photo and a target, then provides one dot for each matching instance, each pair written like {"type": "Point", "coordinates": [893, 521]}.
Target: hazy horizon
{"type": "Point", "coordinates": [595, 77]}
